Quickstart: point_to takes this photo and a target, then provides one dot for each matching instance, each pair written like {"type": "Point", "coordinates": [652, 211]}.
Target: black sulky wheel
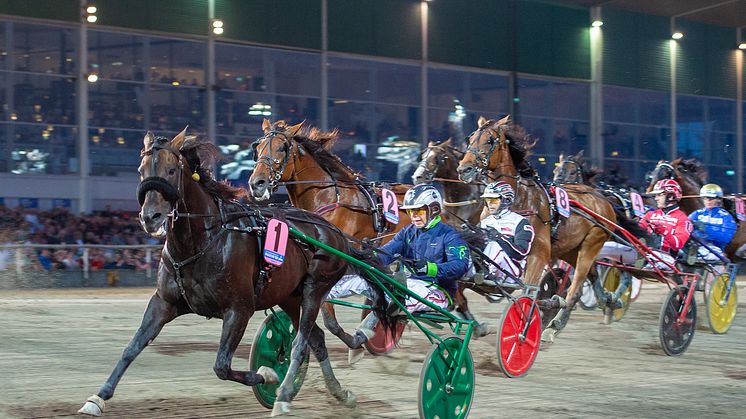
{"type": "Point", "coordinates": [676, 334]}
{"type": "Point", "coordinates": [272, 345]}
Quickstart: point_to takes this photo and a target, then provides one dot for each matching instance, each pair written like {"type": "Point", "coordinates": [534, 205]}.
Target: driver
{"type": "Point", "coordinates": [714, 225]}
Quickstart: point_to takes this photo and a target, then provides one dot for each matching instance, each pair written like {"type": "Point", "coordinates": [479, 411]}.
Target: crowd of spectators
{"type": "Point", "coordinates": [60, 227]}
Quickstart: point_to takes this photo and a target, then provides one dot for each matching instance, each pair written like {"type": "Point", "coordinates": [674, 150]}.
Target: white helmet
{"type": "Point", "coordinates": [711, 190]}
{"type": "Point", "coordinates": [426, 196]}
{"type": "Point", "coordinates": [501, 190]}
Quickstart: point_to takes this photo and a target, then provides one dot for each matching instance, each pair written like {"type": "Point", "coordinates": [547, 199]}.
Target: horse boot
{"type": "Point", "coordinates": [362, 335]}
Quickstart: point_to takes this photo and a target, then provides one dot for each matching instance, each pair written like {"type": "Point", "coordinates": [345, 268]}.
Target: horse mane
{"type": "Point", "coordinates": [591, 175]}
{"type": "Point", "coordinates": [201, 154]}
{"type": "Point", "coordinates": [520, 146]}
{"type": "Point", "coordinates": [318, 144]}
{"type": "Point", "coordinates": [692, 167]}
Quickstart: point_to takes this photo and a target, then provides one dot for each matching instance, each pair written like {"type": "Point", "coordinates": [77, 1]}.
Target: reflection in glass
{"type": "Point", "coordinates": [116, 104]}
{"type": "Point", "coordinates": [117, 56]}
{"type": "Point", "coordinates": [177, 62]}
{"type": "Point", "coordinates": [44, 48]}
{"type": "Point", "coordinates": [42, 99]}
{"type": "Point", "coordinates": [116, 152]}
{"type": "Point", "coordinates": [40, 149]}
{"type": "Point", "coordinates": [172, 109]}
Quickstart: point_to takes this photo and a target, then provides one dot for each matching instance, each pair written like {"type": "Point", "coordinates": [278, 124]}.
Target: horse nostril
{"type": "Point", "coordinates": [155, 217]}
{"type": "Point", "coordinates": [259, 183]}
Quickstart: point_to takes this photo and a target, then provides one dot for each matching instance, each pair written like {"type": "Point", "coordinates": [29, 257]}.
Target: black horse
{"type": "Point", "coordinates": [212, 265]}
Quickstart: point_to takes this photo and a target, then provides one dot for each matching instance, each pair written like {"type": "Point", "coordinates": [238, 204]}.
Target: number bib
{"type": "Point", "coordinates": [740, 213]}
{"type": "Point", "coordinates": [390, 206]}
{"type": "Point", "coordinates": [638, 207]}
{"type": "Point", "coordinates": [562, 201]}
{"type": "Point", "coordinates": [276, 242]}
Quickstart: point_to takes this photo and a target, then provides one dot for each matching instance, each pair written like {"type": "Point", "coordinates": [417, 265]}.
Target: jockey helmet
{"type": "Point", "coordinates": [711, 190]}
{"type": "Point", "coordinates": [501, 190]}
{"type": "Point", "coordinates": [669, 187]}
{"type": "Point", "coordinates": [424, 196]}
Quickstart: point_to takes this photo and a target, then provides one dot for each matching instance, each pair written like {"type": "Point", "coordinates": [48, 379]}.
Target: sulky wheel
{"type": "Point", "coordinates": [611, 279]}
{"type": "Point", "coordinates": [516, 352]}
{"type": "Point", "coordinates": [382, 341]}
{"type": "Point", "coordinates": [437, 397]}
{"type": "Point", "coordinates": [676, 334]}
{"type": "Point", "coordinates": [721, 306]}
{"type": "Point", "coordinates": [271, 347]}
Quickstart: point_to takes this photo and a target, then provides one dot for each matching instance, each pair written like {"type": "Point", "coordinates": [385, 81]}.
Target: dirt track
{"type": "Point", "coordinates": [59, 346]}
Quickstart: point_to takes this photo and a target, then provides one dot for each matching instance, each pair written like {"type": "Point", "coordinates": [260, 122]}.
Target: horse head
{"type": "Point", "coordinates": [438, 160]}
{"type": "Point", "coordinates": [168, 171]}
{"type": "Point", "coordinates": [662, 170]}
{"type": "Point", "coordinates": [487, 150]}
{"type": "Point", "coordinates": [272, 154]}
{"type": "Point", "coordinates": [570, 169]}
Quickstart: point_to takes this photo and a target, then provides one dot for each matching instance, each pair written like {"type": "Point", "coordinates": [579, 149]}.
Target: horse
{"type": "Point", "coordinates": [691, 176]}
{"type": "Point", "coordinates": [498, 150]}
{"type": "Point", "coordinates": [438, 162]}
{"type": "Point", "coordinates": [211, 266]}
{"type": "Point", "coordinates": [319, 181]}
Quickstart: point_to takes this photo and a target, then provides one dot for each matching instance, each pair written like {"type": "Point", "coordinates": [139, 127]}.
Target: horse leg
{"type": "Point", "coordinates": [318, 346]}
{"type": "Point", "coordinates": [157, 314]}
{"type": "Point", "coordinates": [352, 341]}
{"type": "Point", "coordinates": [234, 326]}
{"type": "Point", "coordinates": [462, 307]}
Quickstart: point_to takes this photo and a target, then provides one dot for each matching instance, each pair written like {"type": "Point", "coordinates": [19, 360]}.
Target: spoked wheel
{"type": "Point", "coordinates": [517, 351]}
{"type": "Point", "coordinates": [611, 280]}
{"type": "Point", "coordinates": [588, 300]}
{"type": "Point", "coordinates": [721, 306]}
{"type": "Point", "coordinates": [272, 345]}
{"type": "Point", "coordinates": [675, 334]}
{"type": "Point", "coordinates": [437, 397]}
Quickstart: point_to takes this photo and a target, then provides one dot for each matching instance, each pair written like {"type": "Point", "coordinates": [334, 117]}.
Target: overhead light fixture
{"type": "Point", "coordinates": [742, 45]}
{"type": "Point", "coordinates": [89, 13]}
{"type": "Point", "coordinates": [677, 35]}
{"type": "Point", "coordinates": [217, 26]}
{"type": "Point", "coordinates": [92, 78]}
{"type": "Point", "coordinates": [597, 23]}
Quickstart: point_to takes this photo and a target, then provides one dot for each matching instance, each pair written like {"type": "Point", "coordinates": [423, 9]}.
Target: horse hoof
{"type": "Point", "coordinates": [548, 335]}
{"type": "Point", "coordinates": [269, 375]}
{"type": "Point", "coordinates": [350, 400]}
{"type": "Point", "coordinates": [280, 408]}
{"type": "Point", "coordinates": [482, 330]}
{"type": "Point", "coordinates": [94, 406]}
{"type": "Point", "coordinates": [355, 355]}
{"type": "Point", "coordinates": [607, 315]}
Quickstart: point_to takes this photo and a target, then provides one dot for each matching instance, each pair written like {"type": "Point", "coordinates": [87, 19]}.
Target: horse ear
{"type": "Point", "coordinates": [447, 142]}
{"type": "Point", "coordinates": [189, 142]}
{"type": "Point", "coordinates": [266, 125]}
{"type": "Point", "coordinates": [148, 140]}
{"type": "Point", "coordinates": [179, 139]}
{"type": "Point", "coordinates": [482, 121]}
{"type": "Point", "coordinates": [562, 156]}
{"type": "Point", "coordinates": [294, 129]}
{"type": "Point", "coordinates": [580, 153]}
{"type": "Point", "coordinates": [430, 143]}
{"type": "Point", "coordinates": [503, 121]}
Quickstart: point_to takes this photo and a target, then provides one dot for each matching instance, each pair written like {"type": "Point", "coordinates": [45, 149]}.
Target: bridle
{"type": "Point", "coordinates": [275, 174]}
{"type": "Point", "coordinates": [563, 172]}
{"type": "Point", "coordinates": [430, 170]}
{"type": "Point", "coordinates": [483, 157]}
{"type": "Point", "coordinates": [656, 174]}
{"type": "Point", "coordinates": [156, 183]}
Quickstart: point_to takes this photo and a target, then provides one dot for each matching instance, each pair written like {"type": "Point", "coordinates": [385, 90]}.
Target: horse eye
{"type": "Point", "coordinates": [171, 172]}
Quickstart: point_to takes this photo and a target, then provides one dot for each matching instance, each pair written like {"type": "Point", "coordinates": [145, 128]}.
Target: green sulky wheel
{"type": "Point", "coordinates": [676, 334]}
{"type": "Point", "coordinates": [516, 352]}
{"type": "Point", "coordinates": [437, 398]}
{"type": "Point", "coordinates": [721, 306]}
{"type": "Point", "coordinates": [272, 345]}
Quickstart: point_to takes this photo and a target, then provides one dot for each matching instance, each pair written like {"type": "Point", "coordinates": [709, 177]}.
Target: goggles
{"type": "Point", "coordinates": [419, 212]}
{"type": "Point", "coordinates": [492, 200]}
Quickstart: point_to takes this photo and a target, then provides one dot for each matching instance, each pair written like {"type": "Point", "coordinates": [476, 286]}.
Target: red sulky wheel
{"type": "Point", "coordinates": [382, 342]}
{"type": "Point", "coordinates": [515, 352]}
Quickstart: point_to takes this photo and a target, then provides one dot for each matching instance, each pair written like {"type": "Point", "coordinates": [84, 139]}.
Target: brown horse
{"type": "Point", "coordinates": [439, 162]}
{"type": "Point", "coordinates": [319, 181]}
{"type": "Point", "coordinates": [212, 262]}
{"type": "Point", "coordinates": [498, 150]}
{"type": "Point", "coordinates": [691, 176]}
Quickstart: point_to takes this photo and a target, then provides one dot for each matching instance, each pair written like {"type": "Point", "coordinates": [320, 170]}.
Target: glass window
{"type": "Point", "coordinates": [241, 114]}
{"type": "Point", "coordinates": [177, 62]}
{"type": "Point", "coordinates": [653, 107]}
{"type": "Point", "coordinates": [239, 68]}
{"type": "Point", "coordinates": [116, 104]}
{"type": "Point", "coordinates": [41, 149]}
{"type": "Point", "coordinates": [722, 114]}
{"type": "Point", "coordinates": [4, 49]}
{"type": "Point", "coordinates": [399, 84]}
{"type": "Point", "coordinates": [350, 79]}
{"type": "Point", "coordinates": [117, 56]}
{"type": "Point", "coordinates": [535, 97]}
{"type": "Point", "coordinates": [570, 100]}
{"type": "Point", "coordinates": [173, 108]}
{"type": "Point", "coordinates": [115, 152]}
{"type": "Point", "coordinates": [619, 104]}
{"type": "Point", "coordinates": [477, 92]}
{"type": "Point", "coordinates": [690, 109]}
{"type": "Point", "coordinates": [42, 99]}
{"type": "Point", "coordinates": [294, 73]}
{"type": "Point", "coordinates": [44, 48]}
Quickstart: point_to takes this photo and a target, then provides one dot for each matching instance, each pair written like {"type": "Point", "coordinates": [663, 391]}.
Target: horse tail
{"type": "Point", "coordinates": [380, 304]}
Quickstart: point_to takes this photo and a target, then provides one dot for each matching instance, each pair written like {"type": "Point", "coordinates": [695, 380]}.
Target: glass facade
{"type": "Point", "coordinates": [147, 82]}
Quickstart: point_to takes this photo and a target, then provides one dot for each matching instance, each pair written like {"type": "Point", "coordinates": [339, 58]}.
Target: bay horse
{"type": "Point", "coordinates": [691, 176]}
{"type": "Point", "coordinates": [319, 181]}
{"type": "Point", "coordinates": [498, 150]}
{"type": "Point", "coordinates": [211, 266]}
{"type": "Point", "coordinates": [439, 162]}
